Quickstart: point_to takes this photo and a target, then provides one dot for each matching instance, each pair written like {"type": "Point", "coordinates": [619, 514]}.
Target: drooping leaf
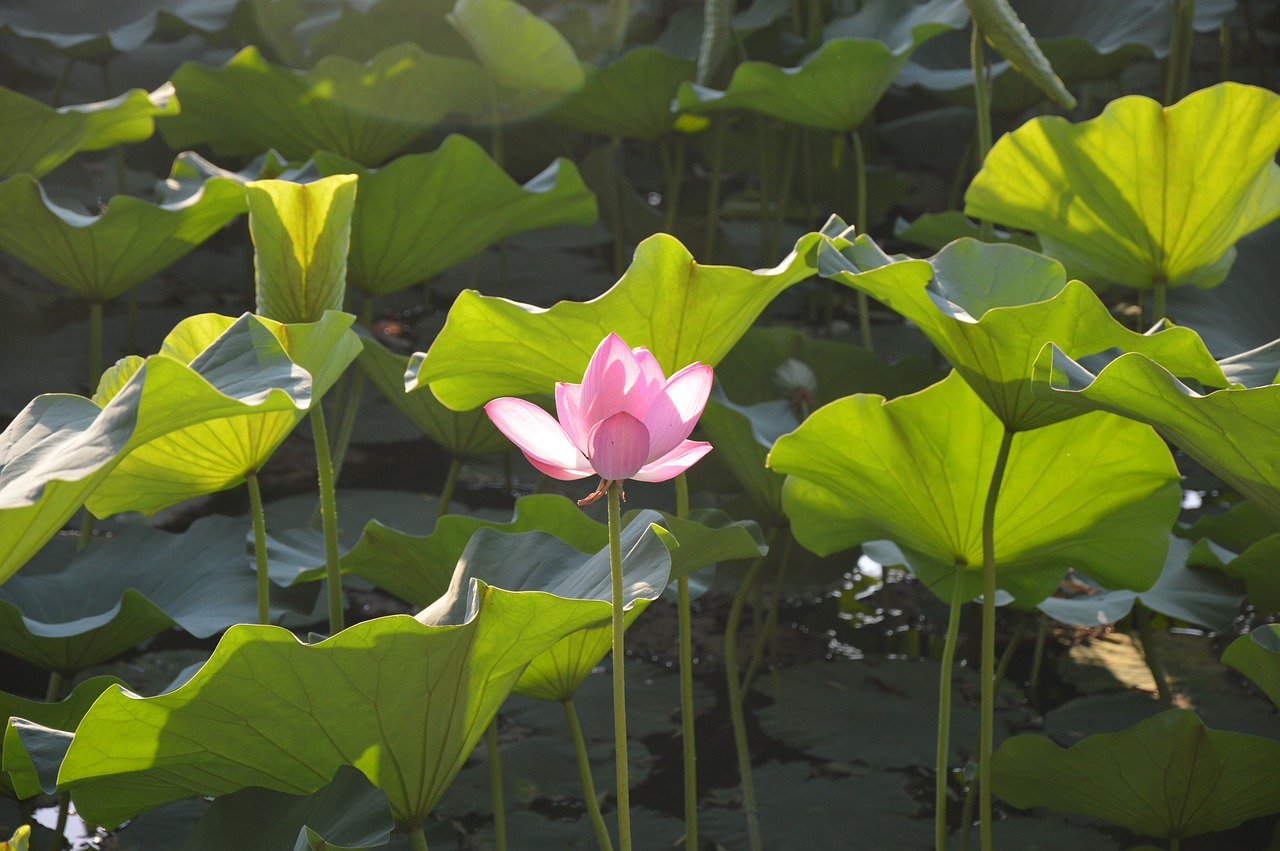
{"type": "Point", "coordinates": [367, 112]}
{"type": "Point", "coordinates": [915, 471]}
{"type": "Point", "coordinates": [264, 710]}
{"type": "Point", "coordinates": [100, 257]}
{"type": "Point", "coordinates": [1257, 656]}
{"type": "Point", "coordinates": [423, 213]}
{"type": "Point", "coordinates": [630, 98]}
{"type": "Point", "coordinates": [1143, 194]}
{"type": "Point", "coordinates": [300, 232]}
{"type": "Point", "coordinates": [991, 308]}
{"type": "Point", "coordinates": [1001, 26]}
{"type": "Point", "coordinates": [216, 454]}
{"type": "Point", "coordinates": [39, 138]}
{"type": "Point", "coordinates": [518, 50]}
{"type": "Point", "coordinates": [682, 311]}
{"type": "Point", "coordinates": [27, 773]}
{"type": "Point", "coordinates": [1168, 776]}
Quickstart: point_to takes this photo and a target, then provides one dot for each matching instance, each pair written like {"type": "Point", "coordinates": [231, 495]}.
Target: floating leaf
{"type": "Point", "coordinates": [367, 112]}
{"type": "Point", "coordinates": [264, 711]}
{"type": "Point", "coordinates": [1143, 194]}
{"type": "Point", "coordinates": [28, 773]}
{"type": "Point", "coordinates": [1257, 656]}
{"type": "Point", "coordinates": [630, 98]}
{"type": "Point", "coordinates": [1168, 776]}
{"type": "Point", "coordinates": [914, 470]}
{"type": "Point", "coordinates": [100, 257]}
{"type": "Point", "coordinates": [424, 213]}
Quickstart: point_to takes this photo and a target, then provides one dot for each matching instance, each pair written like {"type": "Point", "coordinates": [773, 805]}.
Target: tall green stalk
{"type": "Point", "coordinates": [450, 485]}
{"type": "Point", "coordinates": [584, 774]}
{"type": "Point", "coordinates": [1178, 64]}
{"type": "Point", "coordinates": [860, 226]}
{"type": "Point", "coordinates": [328, 518]}
{"type": "Point", "coordinates": [944, 715]}
{"type": "Point", "coordinates": [713, 189]}
{"type": "Point", "coordinates": [688, 740]}
{"type": "Point", "coordinates": [982, 103]}
{"type": "Point", "coordinates": [986, 731]}
{"type": "Point", "coordinates": [495, 786]}
{"type": "Point", "coordinates": [417, 839]}
{"type": "Point", "coordinates": [1151, 654]}
{"type": "Point", "coordinates": [619, 655]}
{"type": "Point", "coordinates": [259, 518]}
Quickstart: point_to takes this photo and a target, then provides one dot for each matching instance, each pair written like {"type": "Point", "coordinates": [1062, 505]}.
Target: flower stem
{"type": "Point", "coordinates": [619, 656]}
{"type": "Point", "coordinates": [259, 517]}
{"type": "Point", "coordinates": [328, 517]}
{"type": "Point", "coordinates": [944, 714]}
{"type": "Point", "coordinates": [985, 732]}
{"type": "Point", "coordinates": [687, 717]}
{"type": "Point", "coordinates": [495, 787]}
{"type": "Point", "coordinates": [584, 774]}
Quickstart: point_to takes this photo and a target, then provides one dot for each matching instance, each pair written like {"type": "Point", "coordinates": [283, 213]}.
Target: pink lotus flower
{"type": "Point", "coordinates": [626, 420]}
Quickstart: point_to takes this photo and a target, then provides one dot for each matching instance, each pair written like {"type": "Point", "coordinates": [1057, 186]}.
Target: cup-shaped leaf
{"type": "Point", "coordinates": [682, 311]}
{"type": "Point", "coordinates": [915, 471]}
{"type": "Point", "coordinates": [216, 453]}
{"type": "Point", "coordinates": [1229, 431]}
{"type": "Point", "coordinates": [100, 257]}
{"type": "Point", "coordinates": [423, 213]}
{"type": "Point", "coordinates": [990, 309]}
{"type": "Point", "coordinates": [517, 49]}
{"type": "Point", "coordinates": [1141, 195]}
{"type": "Point", "coordinates": [30, 772]}
{"type": "Point", "coordinates": [300, 232]}
{"type": "Point", "coordinates": [365, 111]}
{"type": "Point", "coordinates": [40, 137]}
{"type": "Point", "coordinates": [1168, 776]}
{"type": "Point", "coordinates": [630, 98]}
{"type": "Point", "coordinates": [1257, 656]}
{"type": "Point", "coordinates": [264, 710]}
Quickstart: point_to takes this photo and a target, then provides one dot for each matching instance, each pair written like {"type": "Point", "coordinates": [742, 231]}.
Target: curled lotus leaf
{"type": "Point", "coordinates": [23, 776]}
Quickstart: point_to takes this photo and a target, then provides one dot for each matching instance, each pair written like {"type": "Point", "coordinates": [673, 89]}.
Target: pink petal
{"type": "Point", "coordinates": [674, 462]}
{"type": "Point", "coordinates": [651, 371]}
{"type": "Point", "coordinates": [539, 437]}
{"type": "Point", "coordinates": [619, 446]}
{"type": "Point", "coordinates": [569, 412]}
{"type": "Point", "coordinates": [612, 383]}
{"type": "Point", "coordinates": [674, 411]}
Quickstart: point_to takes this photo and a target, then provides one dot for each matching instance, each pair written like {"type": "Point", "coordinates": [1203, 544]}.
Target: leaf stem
{"type": "Point", "coordinates": [584, 774]}
{"type": "Point", "coordinates": [860, 227]}
{"type": "Point", "coordinates": [259, 517]}
{"type": "Point", "coordinates": [985, 732]}
{"type": "Point", "coordinates": [1159, 293]}
{"type": "Point", "coordinates": [1178, 64]}
{"type": "Point", "coordinates": [450, 484]}
{"type": "Point", "coordinates": [619, 656]}
{"type": "Point", "coordinates": [417, 839]}
{"type": "Point", "coordinates": [688, 739]}
{"type": "Point", "coordinates": [60, 829]}
{"type": "Point", "coordinates": [944, 714]}
{"type": "Point", "coordinates": [713, 189]}
{"type": "Point", "coordinates": [328, 517]}
{"type": "Point", "coordinates": [53, 692]}
{"type": "Point", "coordinates": [1151, 653]}
{"type": "Point", "coordinates": [982, 103]}
{"type": "Point", "coordinates": [495, 786]}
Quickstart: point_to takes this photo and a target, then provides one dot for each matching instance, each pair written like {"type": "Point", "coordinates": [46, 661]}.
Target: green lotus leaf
{"type": "Point", "coordinates": [367, 112]}
{"type": "Point", "coordinates": [137, 584]}
{"type": "Point", "coordinates": [28, 773]}
{"type": "Point", "coordinates": [464, 434]}
{"type": "Point", "coordinates": [423, 213]}
{"type": "Point", "coordinates": [630, 98]}
{"type": "Point", "coordinates": [915, 470]}
{"type": "Point", "coordinates": [300, 236]}
{"type": "Point", "coordinates": [682, 311]}
{"type": "Point", "coordinates": [991, 308]}
{"type": "Point", "coordinates": [1201, 597]}
{"type": "Point", "coordinates": [89, 31]}
{"type": "Point", "coordinates": [1141, 195]}
{"type": "Point", "coordinates": [1168, 776]}
{"type": "Point", "coordinates": [1228, 431]}
{"type": "Point", "coordinates": [517, 49]}
{"type": "Point", "coordinates": [935, 230]}
{"type": "Point", "coordinates": [1238, 528]}
{"type": "Point", "coordinates": [347, 814]}
{"type": "Point", "coordinates": [216, 454]}
{"type": "Point", "coordinates": [60, 447]}
{"type": "Point", "coordinates": [1006, 32]}
{"type": "Point", "coordinates": [40, 137]}
{"type": "Point", "coordinates": [1257, 656]}
{"type": "Point", "coordinates": [264, 710]}
{"type": "Point", "coordinates": [1255, 565]}
{"type": "Point", "coordinates": [536, 561]}
{"type": "Point", "coordinates": [100, 257]}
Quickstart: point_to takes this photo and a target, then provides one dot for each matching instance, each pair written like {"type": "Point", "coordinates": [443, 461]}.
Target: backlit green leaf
{"type": "Point", "coordinates": [1257, 656]}
{"type": "Point", "coordinates": [28, 774]}
{"type": "Point", "coordinates": [518, 49]}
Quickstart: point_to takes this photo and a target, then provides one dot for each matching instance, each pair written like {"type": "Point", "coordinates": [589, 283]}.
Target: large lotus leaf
{"type": "Point", "coordinates": [264, 711]}
{"type": "Point", "coordinates": [39, 137]}
{"type": "Point", "coordinates": [137, 584]}
{"type": "Point", "coordinates": [60, 447]}
{"type": "Point", "coordinates": [90, 31]}
{"type": "Point", "coordinates": [629, 98]}
{"type": "Point", "coordinates": [300, 232]}
{"type": "Point", "coordinates": [100, 257]}
{"type": "Point", "coordinates": [348, 813]}
{"type": "Point", "coordinates": [216, 454]}
{"type": "Point", "coordinates": [1202, 597]}
{"type": "Point", "coordinates": [1168, 776]}
{"type": "Point", "coordinates": [464, 434]}
{"type": "Point", "coordinates": [27, 774]}
{"type": "Point", "coordinates": [518, 49]}
{"type": "Point", "coordinates": [1256, 565]}
{"type": "Point", "coordinates": [1257, 656]}
{"type": "Point", "coordinates": [682, 311]}
{"type": "Point", "coordinates": [1094, 493]}
{"type": "Point", "coordinates": [990, 309]}
{"type": "Point", "coordinates": [536, 561]}
{"type": "Point", "coordinates": [1238, 528]}
{"type": "Point", "coordinates": [1229, 431]}
{"type": "Point", "coordinates": [1142, 194]}
{"type": "Point", "coordinates": [367, 112]}
{"type": "Point", "coordinates": [423, 213]}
